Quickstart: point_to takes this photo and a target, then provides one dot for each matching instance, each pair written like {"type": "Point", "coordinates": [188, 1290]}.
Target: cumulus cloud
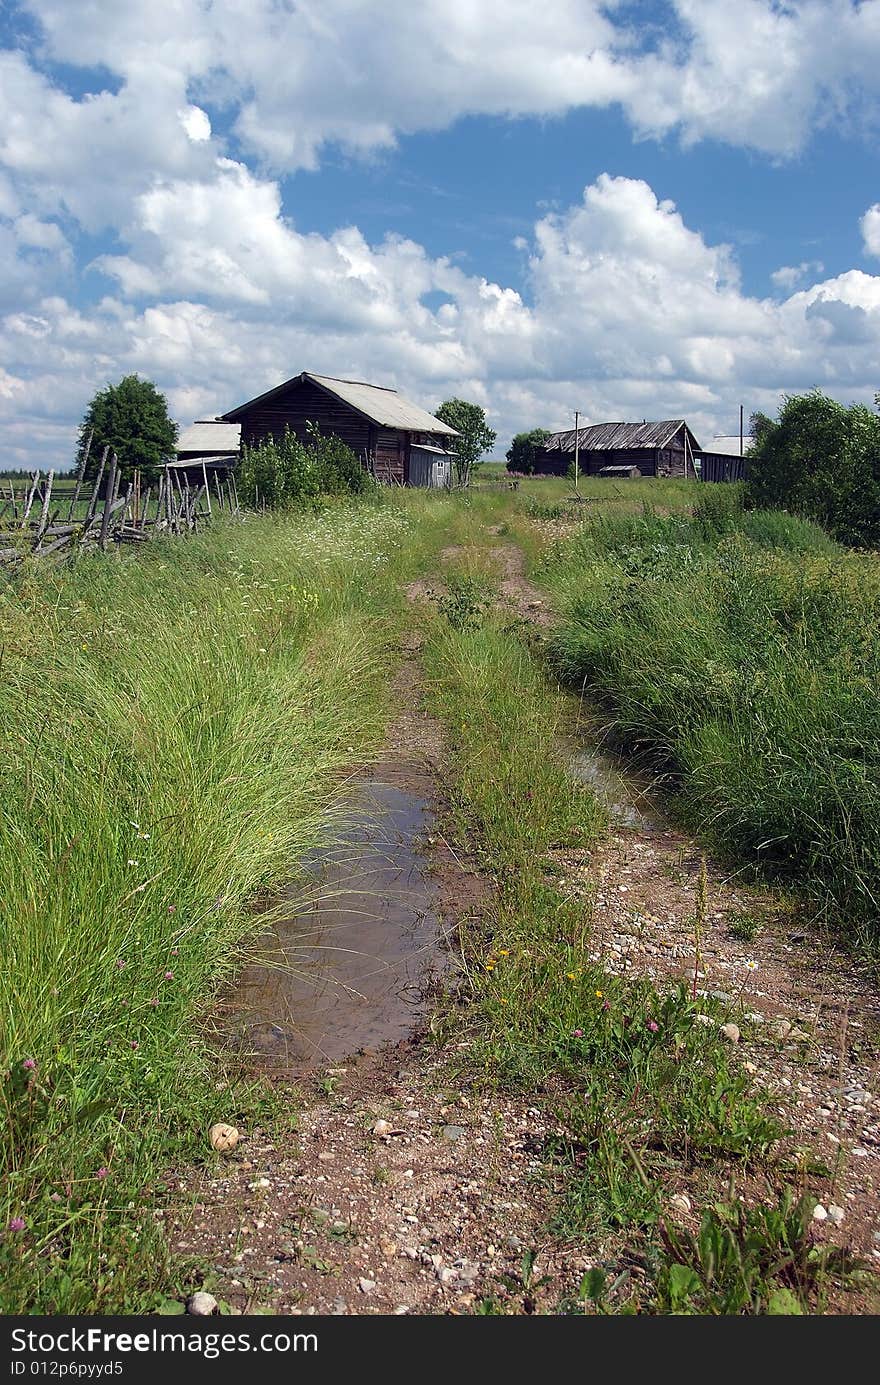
{"type": "Point", "coordinates": [629, 313]}
{"type": "Point", "coordinates": [870, 224]}
{"type": "Point", "coordinates": [750, 72]}
{"type": "Point", "coordinates": [788, 276]}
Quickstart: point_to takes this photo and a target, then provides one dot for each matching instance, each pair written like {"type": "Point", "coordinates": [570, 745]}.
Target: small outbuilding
{"type": "Point", "coordinates": [724, 459]}
{"type": "Point", "coordinates": [666, 448]}
{"type": "Point", "coordinates": [208, 437]}
{"type": "Point", "coordinates": [399, 442]}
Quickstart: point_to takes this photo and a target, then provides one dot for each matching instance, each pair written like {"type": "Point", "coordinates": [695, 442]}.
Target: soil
{"type": "Point", "coordinates": [405, 1192]}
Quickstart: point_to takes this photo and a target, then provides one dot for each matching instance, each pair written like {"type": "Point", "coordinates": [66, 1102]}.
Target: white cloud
{"type": "Point", "coordinates": [630, 313]}
{"type": "Point", "coordinates": [870, 224]}
{"type": "Point", "coordinates": [196, 123]}
{"type": "Point", "coordinates": [361, 72]}
{"type": "Point", "coordinates": [788, 277]}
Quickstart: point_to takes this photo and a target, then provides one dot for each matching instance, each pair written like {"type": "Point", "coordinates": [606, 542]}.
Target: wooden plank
{"type": "Point", "coordinates": [93, 499]}
{"type": "Point", "coordinates": [80, 474]}
{"type": "Point", "coordinates": [30, 498]}
{"type": "Point", "coordinates": [111, 493]}
{"type": "Point", "coordinates": [44, 513]}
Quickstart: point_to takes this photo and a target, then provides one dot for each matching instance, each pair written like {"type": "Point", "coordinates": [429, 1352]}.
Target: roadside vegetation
{"type": "Point", "coordinates": [739, 652]}
{"type": "Point", "coordinates": [642, 1084]}
{"type": "Point", "coordinates": [174, 726]}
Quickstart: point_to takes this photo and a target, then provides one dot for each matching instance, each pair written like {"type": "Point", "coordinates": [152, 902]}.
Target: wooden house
{"type": "Point", "coordinates": [396, 440]}
{"type": "Point", "coordinates": [622, 449]}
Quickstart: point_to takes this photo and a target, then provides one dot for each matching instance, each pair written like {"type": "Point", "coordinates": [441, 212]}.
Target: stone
{"type": "Point", "coordinates": [223, 1137]}
{"type": "Point", "coordinates": [382, 1128]}
{"type": "Point", "coordinates": [798, 1036]}
{"type": "Point", "coordinates": [731, 1033]}
{"type": "Point", "coordinates": [366, 1286]}
{"type": "Point", "coordinates": [819, 1213]}
{"type": "Point", "coordinates": [202, 1305]}
{"type": "Point", "coordinates": [780, 1029]}
{"type": "Point", "coordinates": [835, 1214]}
{"type": "Point", "coordinates": [453, 1132]}
{"type": "Point", "coordinates": [680, 1202]}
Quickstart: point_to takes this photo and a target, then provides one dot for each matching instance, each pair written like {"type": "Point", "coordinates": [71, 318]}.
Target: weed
{"type": "Point", "coordinates": [759, 1259]}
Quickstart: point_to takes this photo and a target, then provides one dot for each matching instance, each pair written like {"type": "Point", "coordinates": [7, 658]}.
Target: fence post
{"type": "Point", "coordinates": [108, 503]}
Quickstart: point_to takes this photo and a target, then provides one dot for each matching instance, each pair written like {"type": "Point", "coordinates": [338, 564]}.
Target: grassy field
{"type": "Point", "coordinates": [740, 653]}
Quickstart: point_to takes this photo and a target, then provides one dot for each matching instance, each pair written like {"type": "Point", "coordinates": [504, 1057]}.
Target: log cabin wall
{"type": "Point", "coordinates": [303, 404]}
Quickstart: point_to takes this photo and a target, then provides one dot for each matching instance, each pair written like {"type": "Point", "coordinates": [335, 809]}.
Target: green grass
{"type": "Point", "coordinates": [742, 653]}
{"type": "Point", "coordinates": [175, 723]}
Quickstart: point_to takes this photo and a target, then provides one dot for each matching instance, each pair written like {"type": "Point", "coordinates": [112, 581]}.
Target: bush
{"type": "Point", "coordinates": [291, 472]}
{"type": "Point", "coordinates": [821, 460]}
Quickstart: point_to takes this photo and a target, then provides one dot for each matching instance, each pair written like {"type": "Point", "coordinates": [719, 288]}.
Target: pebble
{"type": "Point", "coordinates": [730, 1033]}
{"type": "Point", "coordinates": [681, 1203]}
{"type": "Point", "coordinates": [382, 1128]}
{"type": "Point", "coordinates": [780, 1029]}
{"type": "Point", "coordinates": [453, 1132]}
{"type": "Point", "coordinates": [201, 1305]}
{"type": "Point", "coordinates": [223, 1137]}
{"type": "Point", "coordinates": [819, 1213]}
{"type": "Point", "coordinates": [366, 1286]}
{"type": "Point", "coordinates": [835, 1213]}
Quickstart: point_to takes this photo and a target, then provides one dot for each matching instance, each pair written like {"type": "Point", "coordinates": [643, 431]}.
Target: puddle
{"type": "Point", "coordinates": [627, 798]}
{"type": "Point", "coordinates": [351, 970]}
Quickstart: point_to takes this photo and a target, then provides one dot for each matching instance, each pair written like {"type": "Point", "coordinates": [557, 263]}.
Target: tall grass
{"type": "Point", "coordinates": [174, 724]}
{"type": "Point", "coordinates": [742, 653]}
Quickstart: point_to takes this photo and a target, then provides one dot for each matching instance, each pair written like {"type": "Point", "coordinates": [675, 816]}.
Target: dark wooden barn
{"type": "Point", "coordinates": [396, 440]}
{"type": "Point", "coordinates": [617, 449]}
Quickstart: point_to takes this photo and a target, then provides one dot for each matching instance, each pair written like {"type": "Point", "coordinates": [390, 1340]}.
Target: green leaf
{"type": "Point", "coordinates": [784, 1302]}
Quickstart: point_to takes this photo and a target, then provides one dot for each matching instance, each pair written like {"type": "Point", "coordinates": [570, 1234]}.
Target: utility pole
{"type": "Point", "coordinates": [576, 447]}
{"type": "Point", "coordinates": [740, 430]}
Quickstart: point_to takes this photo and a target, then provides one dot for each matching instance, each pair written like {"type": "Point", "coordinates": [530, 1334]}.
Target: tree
{"type": "Point", "coordinates": [475, 436]}
{"type": "Point", "coordinates": [822, 460]}
{"type": "Point", "coordinates": [522, 452]}
{"type": "Point", "coordinates": [130, 418]}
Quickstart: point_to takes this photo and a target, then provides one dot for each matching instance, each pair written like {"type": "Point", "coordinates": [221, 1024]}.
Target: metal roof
{"type": "Point", "coordinates": [209, 436]}
{"type": "Point", "coordinates": [608, 437]}
{"type": "Point", "coordinates": [728, 444]}
{"type": "Point", "coordinates": [429, 447]}
{"type": "Point", "coordinates": [221, 459]}
{"type": "Point", "coordinates": [377, 403]}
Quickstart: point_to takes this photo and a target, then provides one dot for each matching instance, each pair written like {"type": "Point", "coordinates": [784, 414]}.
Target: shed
{"type": "Point", "coordinates": [208, 437]}
{"type": "Point", "coordinates": [665, 448]}
{"type": "Point", "coordinates": [723, 460]}
{"type": "Point", "coordinates": [380, 426]}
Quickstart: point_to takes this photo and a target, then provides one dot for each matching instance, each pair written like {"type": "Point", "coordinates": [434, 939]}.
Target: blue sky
{"type": "Point", "coordinates": [633, 209]}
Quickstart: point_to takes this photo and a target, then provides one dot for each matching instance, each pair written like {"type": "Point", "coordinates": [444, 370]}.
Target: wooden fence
{"type": "Point", "coordinates": [47, 518]}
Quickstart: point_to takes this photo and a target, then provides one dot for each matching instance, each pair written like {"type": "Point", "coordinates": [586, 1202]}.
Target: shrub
{"type": "Point", "coordinates": [821, 460]}
{"type": "Point", "coordinates": [290, 472]}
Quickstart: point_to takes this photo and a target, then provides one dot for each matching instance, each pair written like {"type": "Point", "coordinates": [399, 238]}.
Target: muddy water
{"type": "Point", "coordinates": [349, 971]}
{"type": "Point", "coordinates": [628, 798]}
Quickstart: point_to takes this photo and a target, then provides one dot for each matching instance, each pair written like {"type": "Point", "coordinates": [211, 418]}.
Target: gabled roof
{"type": "Point", "coordinates": [608, 437]}
{"type": "Point", "coordinates": [380, 405]}
{"type": "Point", "coordinates": [209, 436]}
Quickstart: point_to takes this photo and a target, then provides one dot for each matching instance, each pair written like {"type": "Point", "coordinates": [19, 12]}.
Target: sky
{"type": "Point", "coordinates": [632, 208]}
